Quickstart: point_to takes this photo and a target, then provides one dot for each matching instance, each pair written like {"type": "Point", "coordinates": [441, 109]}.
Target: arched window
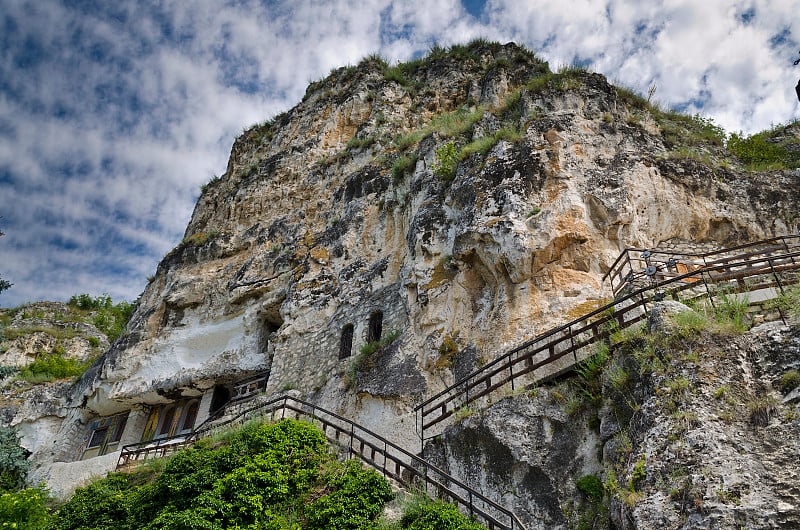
{"type": "Point", "coordinates": [346, 342]}
{"type": "Point", "coordinates": [190, 416]}
{"type": "Point", "coordinates": [167, 420]}
{"type": "Point", "coordinates": [375, 326]}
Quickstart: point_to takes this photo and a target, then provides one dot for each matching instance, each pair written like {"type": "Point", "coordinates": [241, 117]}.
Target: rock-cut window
{"type": "Point", "coordinates": [375, 326]}
{"type": "Point", "coordinates": [346, 342]}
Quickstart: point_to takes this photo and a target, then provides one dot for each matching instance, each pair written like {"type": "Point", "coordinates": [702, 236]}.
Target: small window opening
{"type": "Point", "coordinates": [190, 416]}
{"type": "Point", "coordinates": [119, 428]}
{"type": "Point", "coordinates": [98, 437]}
{"type": "Point", "coordinates": [169, 418]}
{"type": "Point", "coordinates": [346, 342]}
{"type": "Point", "coordinates": [375, 326]}
{"type": "Point", "coordinates": [272, 322]}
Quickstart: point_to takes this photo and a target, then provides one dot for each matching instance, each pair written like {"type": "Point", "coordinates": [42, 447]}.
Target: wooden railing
{"type": "Point", "coordinates": [637, 265]}
{"type": "Point", "coordinates": [648, 275]}
{"type": "Point", "coordinates": [379, 453]}
{"type": "Point", "coordinates": [558, 349]}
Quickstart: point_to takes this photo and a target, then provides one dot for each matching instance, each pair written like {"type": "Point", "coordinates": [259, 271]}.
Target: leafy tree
{"type": "Point", "coordinates": [13, 460]}
{"type": "Point", "coordinates": [24, 509]}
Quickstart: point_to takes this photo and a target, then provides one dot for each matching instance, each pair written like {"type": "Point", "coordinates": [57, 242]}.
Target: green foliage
{"type": "Point", "coordinates": [589, 386]}
{"type": "Point", "coordinates": [731, 313]}
{"type": "Point", "coordinates": [765, 150]}
{"type": "Point", "coordinates": [789, 381]}
{"type": "Point", "coordinates": [591, 486]}
{"type": "Point", "coordinates": [275, 476]}
{"type": "Point", "coordinates": [103, 505]}
{"type": "Point", "coordinates": [109, 318]}
{"type": "Point", "coordinates": [13, 460]}
{"type": "Point", "coordinates": [355, 142]}
{"type": "Point", "coordinates": [24, 509]}
{"type": "Point", "coordinates": [371, 347]}
{"type": "Point", "coordinates": [690, 323]}
{"type": "Point", "coordinates": [762, 409]}
{"type": "Point", "coordinates": [211, 183]}
{"type": "Point", "coordinates": [687, 130]}
{"type": "Point", "coordinates": [639, 472]}
{"type": "Point", "coordinates": [591, 368]}
{"type": "Point", "coordinates": [446, 161]}
{"type": "Point", "coordinates": [788, 302]}
{"type": "Point", "coordinates": [6, 371]}
{"type": "Point", "coordinates": [567, 78]}
{"type": "Point", "coordinates": [357, 498]}
{"type": "Point", "coordinates": [51, 366]}
{"type": "Point", "coordinates": [403, 165]}
{"type": "Point", "coordinates": [631, 98]}
{"type": "Point", "coordinates": [198, 239]}
{"type": "Point", "coordinates": [435, 515]}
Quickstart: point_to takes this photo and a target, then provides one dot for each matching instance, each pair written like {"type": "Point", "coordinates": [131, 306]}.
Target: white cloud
{"type": "Point", "coordinates": [142, 100]}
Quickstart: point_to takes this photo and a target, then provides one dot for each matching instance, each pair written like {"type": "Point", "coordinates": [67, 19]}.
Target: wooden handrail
{"type": "Point", "coordinates": [628, 255]}
{"type": "Point", "coordinates": [520, 361]}
{"type": "Point", "coordinates": [374, 450]}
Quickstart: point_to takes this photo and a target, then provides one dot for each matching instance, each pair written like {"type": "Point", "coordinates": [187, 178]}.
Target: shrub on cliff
{"type": "Point", "coordinates": [263, 476]}
{"type": "Point", "coordinates": [109, 318]}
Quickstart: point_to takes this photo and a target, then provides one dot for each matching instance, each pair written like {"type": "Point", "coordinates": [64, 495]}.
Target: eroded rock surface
{"type": "Point", "coordinates": [335, 219]}
{"type": "Point", "coordinates": [685, 433]}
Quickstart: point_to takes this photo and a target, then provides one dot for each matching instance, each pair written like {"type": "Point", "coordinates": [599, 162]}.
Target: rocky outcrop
{"type": "Point", "coordinates": [678, 431]}
{"type": "Point", "coordinates": [335, 225]}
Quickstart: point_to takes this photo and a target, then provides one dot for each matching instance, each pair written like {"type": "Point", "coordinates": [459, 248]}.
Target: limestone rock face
{"type": "Point", "coordinates": [336, 220]}
{"type": "Point", "coordinates": [310, 229]}
{"type": "Point", "coordinates": [699, 438]}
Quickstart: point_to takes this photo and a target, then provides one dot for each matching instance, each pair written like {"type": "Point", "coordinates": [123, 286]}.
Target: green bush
{"type": "Point", "coordinates": [13, 460]}
{"type": "Point", "coordinates": [789, 381]}
{"type": "Point", "coordinates": [591, 486]}
{"type": "Point", "coordinates": [762, 151]}
{"type": "Point", "coordinates": [446, 161]}
{"type": "Point", "coordinates": [51, 366]}
{"type": "Point", "coordinates": [24, 509]}
{"type": "Point", "coordinates": [109, 318]}
{"type": "Point", "coordinates": [357, 498]}
{"type": "Point", "coordinates": [435, 515]}
{"type": "Point", "coordinates": [104, 505]}
{"type": "Point", "coordinates": [275, 476]}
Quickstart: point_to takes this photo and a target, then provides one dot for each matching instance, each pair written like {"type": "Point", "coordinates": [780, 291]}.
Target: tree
{"type": "Point", "coordinates": [3, 283]}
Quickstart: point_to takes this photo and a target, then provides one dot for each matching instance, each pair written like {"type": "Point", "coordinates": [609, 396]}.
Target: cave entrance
{"type": "Point", "coordinates": [219, 398]}
{"type": "Point", "coordinates": [271, 322]}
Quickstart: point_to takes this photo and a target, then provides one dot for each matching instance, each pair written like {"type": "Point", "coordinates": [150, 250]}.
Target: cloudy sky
{"type": "Point", "coordinates": [114, 113]}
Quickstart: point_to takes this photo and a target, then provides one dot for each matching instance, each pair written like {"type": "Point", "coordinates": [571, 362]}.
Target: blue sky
{"type": "Point", "coordinates": [113, 114]}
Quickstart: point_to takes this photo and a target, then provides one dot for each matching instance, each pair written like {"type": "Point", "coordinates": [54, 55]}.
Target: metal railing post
{"type": "Point", "coordinates": [511, 371]}
{"type": "Point", "coordinates": [708, 291]}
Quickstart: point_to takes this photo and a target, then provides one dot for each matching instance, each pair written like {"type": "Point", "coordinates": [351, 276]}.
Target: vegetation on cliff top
{"type": "Point", "coordinates": [686, 136]}
{"type": "Point", "coordinates": [63, 325]}
{"type": "Point", "coordinates": [270, 476]}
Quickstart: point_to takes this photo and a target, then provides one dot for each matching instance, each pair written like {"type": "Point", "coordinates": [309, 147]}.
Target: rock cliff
{"type": "Point", "coordinates": [429, 215]}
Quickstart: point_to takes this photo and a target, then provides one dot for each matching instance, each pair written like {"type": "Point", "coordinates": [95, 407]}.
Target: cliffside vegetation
{"type": "Point", "coordinates": [62, 339]}
{"type": "Point", "coordinates": [663, 391]}
{"type": "Point", "coordinates": [270, 476]}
